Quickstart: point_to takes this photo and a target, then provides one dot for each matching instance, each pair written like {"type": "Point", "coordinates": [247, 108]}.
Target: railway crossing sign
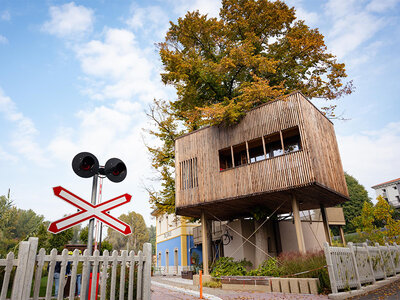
{"type": "Point", "coordinates": [88, 211]}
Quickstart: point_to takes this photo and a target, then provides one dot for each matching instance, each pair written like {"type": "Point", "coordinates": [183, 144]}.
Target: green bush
{"type": "Point", "coordinates": [226, 266]}
{"type": "Point", "coordinates": [285, 265]}
{"type": "Point", "coordinates": [267, 268]}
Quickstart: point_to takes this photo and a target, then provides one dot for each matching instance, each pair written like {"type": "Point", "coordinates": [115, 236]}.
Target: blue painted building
{"type": "Point", "coordinates": [174, 243]}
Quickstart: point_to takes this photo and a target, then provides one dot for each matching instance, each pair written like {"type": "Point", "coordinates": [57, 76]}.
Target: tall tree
{"type": "Point", "coordinates": [134, 241]}
{"type": "Point", "coordinates": [222, 67]}
{"type": "Point", "coordinates": [16, 224]}
{"type": "Point", "coordinates": [351, 209]}
{"type": "Point", "coordinates": [152, 237]}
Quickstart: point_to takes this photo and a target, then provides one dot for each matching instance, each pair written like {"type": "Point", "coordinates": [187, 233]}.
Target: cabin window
{"type": "Point", "coordinates": [240, 154]}
{"type": "Point", "coordinates": [256, 150]}
{"type": "Point", "coordinates": [291, 139]}
{"type": "Point", "coordinates": [225, 159]}
{"type": "Point", "coordinates": [273, 145]}
{"type": "Point", "coordinates": [188, 174]}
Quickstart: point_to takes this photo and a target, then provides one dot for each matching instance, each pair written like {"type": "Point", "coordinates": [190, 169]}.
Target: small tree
{"type": "Point", "coordinates": [376, 223]}
{"type": "Point", "coordinates": [134, 241]}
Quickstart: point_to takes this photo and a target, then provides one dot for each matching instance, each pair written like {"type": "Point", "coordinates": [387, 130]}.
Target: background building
{"type": "Point", "coordinates": [390, 191]}
{"type": "Point", "coordinates": [174, 243]}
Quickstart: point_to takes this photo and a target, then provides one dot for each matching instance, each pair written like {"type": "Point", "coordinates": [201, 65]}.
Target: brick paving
{"type": "Point", "coordinates": [160, 293]}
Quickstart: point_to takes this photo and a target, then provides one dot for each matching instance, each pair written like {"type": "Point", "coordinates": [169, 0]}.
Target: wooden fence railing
{"type": "Point", "coordinates": [353, 266]}
{"type": "Point", "coordinates": [29, 266]}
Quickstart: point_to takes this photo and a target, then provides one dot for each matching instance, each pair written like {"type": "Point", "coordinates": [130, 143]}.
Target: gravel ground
{"type": "Point", "coordinates": [166, 294]}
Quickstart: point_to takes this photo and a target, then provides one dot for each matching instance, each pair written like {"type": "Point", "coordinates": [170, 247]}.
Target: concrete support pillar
{"type": "Point", "coordinates": [342, 235]}
{"type": "Point", "coordinates": [204, 244]}
{"type": "Point", "coordinates": [297, 224]}
{"type": "Point", "coordinates": [261, 240]}
{"type": "Point", "coordinates": [326, 225]}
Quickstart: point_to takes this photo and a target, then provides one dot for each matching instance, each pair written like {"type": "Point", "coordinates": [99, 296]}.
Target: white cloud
{"type": "Point", "coordinates": [23, 137]}
{"type": "Point", "coordinates": [119, 68]}
{"type": "Point", "coordinates": [5, 16]}
{"type": "Point", "coordinates": [311, 18]}
{"type": "Point", "coordinates": [7, 157]}
{"type": "Point", "coordinates": [382, 5]}
{"type": "Point", "coordinates": [152, 21]}
{"type": "Point", "coordinates": [372, 156]}
{"type": "Point", "coordinates": [69, 20]}
{"type": "Point", "coordinates": [209, 7]}
{"type": "Point", "coordinates": [353, 25]}
{"type": "Point", "coordinates": [3, 39]}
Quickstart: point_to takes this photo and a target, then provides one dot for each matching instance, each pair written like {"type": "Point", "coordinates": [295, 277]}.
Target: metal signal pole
{"type": "Point", "coordinates": [91, 221]}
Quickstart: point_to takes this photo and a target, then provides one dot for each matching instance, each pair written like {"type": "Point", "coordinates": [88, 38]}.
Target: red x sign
{"type": "Point", "coordinates": [88, 211]}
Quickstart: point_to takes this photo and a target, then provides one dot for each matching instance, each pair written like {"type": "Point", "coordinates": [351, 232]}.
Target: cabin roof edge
{"type": "Point", "coordinates": [261, 105]}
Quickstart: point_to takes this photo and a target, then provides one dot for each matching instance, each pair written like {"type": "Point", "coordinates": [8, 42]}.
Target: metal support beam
{"type": "Point", "coordinates": [297, 224]}
{"type": "Point", "coordinates": [204, 244]}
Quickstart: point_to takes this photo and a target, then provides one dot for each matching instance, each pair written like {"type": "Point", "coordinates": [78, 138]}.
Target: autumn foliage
{"type": "Point", "coordinates": [255, 52]}
{"type": "Point", "coordinates": [376, 223]}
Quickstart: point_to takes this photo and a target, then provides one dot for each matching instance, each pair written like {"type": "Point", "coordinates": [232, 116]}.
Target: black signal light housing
{"type": "Point", "coordinates": [85, 164]}
{"type": "Point", "coordinates": [115, 170]}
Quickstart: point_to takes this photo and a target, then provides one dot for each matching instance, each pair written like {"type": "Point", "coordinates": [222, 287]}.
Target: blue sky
{"type": "Point", "coordinates": [78, 76]}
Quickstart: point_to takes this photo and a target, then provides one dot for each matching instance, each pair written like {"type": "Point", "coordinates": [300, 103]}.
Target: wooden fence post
{"type": "Point", "coordinates": [353, 256]}
{"type": "Point", "coordinates": [370, 262]}
{"type": "Point", "coordinates": [391, 258]}
{"type": "Point", "coordinates": [30, 266]}
{"type": "Point", "coordinates": [23, 253]}
{"type": "Point", "coordinates": [7, 274]}
{"type": "Point", "coordinates": [147, 272]}
{"type": "Point", "coordinates": [382, 261]}
{"type": "Point", "coordinates": [139, 287]}
{"type": "Point", "coordinates": [331, 271]}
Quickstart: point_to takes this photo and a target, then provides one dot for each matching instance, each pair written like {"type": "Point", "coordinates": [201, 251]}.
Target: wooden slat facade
{"type": "Point", "coordinates": [314, 173]}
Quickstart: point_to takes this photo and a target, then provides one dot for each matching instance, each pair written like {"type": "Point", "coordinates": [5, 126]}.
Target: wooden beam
{"type": "Point", "coordinates": [342, 236]}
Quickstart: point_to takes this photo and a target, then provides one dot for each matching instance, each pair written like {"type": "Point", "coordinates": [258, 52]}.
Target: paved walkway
{"type": "Point", "coordinates": [166, 288]}
{"type": "Point", "coordinates": [387, 292]}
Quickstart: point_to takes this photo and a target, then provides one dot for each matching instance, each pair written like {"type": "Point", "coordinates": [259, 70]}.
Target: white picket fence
{"type": "Point", "coordinates": [354, 266]}
{"type": "Point", "coordinates": [29, 266]}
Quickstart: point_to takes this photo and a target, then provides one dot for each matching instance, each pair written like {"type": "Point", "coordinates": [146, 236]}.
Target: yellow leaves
{"type": "Point", "coordinates": [370, 215]}
{"type": "Point", "coordinates": [382, 210]}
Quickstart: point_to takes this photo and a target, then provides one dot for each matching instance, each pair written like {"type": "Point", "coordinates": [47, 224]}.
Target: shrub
{"type": "Point", "coordinates": [213, 284]}
{"type": "Point", "coordinates": [226, 266]}
{"type": "Point", "coordinates": [267, 268]}
{"type": "Point", "coordinates": [293, 262]}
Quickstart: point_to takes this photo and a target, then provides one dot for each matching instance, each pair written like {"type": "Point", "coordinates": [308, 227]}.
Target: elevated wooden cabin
{"type": "Point", "coordinates": [283, 150]}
